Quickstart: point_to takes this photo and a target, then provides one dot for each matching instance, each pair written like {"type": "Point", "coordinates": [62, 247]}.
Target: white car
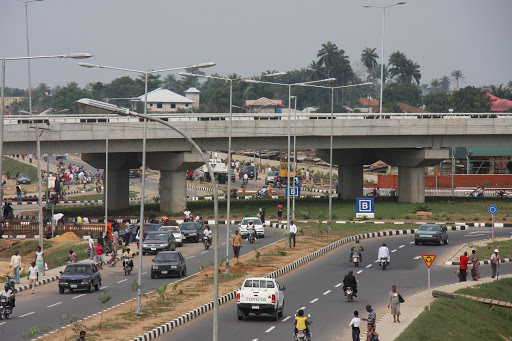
{"type": "Point", "coordinates": [176, 233]}
{"type": "Point", "coordinates": [260, 296]}
{"type": "Point", "coordinates": [258, 226]}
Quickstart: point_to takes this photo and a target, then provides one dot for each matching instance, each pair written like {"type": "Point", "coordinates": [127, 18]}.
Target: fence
{"type": "Point", "coordinates": [32, 228]}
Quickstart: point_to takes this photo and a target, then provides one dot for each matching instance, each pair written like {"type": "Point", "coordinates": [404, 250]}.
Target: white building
{"type": "Point", "coordinates": [162, 101]}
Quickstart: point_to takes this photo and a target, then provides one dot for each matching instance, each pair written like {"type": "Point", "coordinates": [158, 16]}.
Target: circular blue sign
{"type": "Point", "coordinates": [493, 209]}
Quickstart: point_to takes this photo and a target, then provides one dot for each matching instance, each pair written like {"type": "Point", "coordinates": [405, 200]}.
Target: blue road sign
{"type": "Point", "coordinates": [493, 209]}
{"type": "Point", "coordinates": [294, 191]}
{"type": "Point", "coordinates": [365, 207]}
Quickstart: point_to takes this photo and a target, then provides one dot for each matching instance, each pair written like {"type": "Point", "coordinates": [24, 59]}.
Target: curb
{"type": "Point", "coordinates": [482, 262]}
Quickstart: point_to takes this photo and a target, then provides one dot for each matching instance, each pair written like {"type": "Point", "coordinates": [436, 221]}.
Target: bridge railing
{"type": "Point", "coordinates": [32, 228]}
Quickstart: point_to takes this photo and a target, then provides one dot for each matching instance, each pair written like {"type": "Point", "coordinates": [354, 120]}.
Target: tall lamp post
{"type": "Point", "coordinates": [294, 150]}
{"type": "Point", "coordinates": [332, 134]}
{"type": "Point", "coordinates": [289, 138]}
{"type": "Point", "coordinates": [143, 175]}
{"type": "Point", "coordinates": [382, 50]}
{"type": "Point", "coordinates": [2, 114]}
{"type": "Point", "coordinates": [230, 129]}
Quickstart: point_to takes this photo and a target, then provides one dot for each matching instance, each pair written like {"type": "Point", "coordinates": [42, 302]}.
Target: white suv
{"type": "Point", "coordinates": [260, 296]}
{"type": "Point", "coordinates": [258, 226]}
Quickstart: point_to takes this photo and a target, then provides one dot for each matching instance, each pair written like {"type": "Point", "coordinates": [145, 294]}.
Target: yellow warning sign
{"type": "Point", "coordinates": [428, 259]}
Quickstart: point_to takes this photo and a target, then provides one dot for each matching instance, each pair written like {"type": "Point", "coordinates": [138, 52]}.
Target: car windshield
{"type": "Point", "coordinates": [192, 226]}
{"type": "Point", "coordinates": [257, 283]}
{"type": "Point", "coordinates": [150, 227]}
{"type": "Point", "coordinates": [166, 257]}
{"type": "Point", "coordinates": [78, 269]}
{"type": "Point", "coordinates": [255, 221]}
{"type": "Point", "coordinates": [156, 236]}
{"type": "Point", "coordinates": [170, 229]}
{"type": "Point", "coordinates": [431, 228]}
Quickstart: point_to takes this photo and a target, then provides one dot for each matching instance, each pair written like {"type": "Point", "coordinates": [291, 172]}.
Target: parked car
{"type": "Point", "coordinates": [251, 171]}
{"type": "Point", "coordinates": [60, 156]}
{"type": "Point", "coordinates": [431, 233]}
{"type": "Point", "coordinates": [271, 177]}
{"type": "Point", "coordinates": [147, 228]}
{"type": "Point", "coordinates": [258, 226]}
{"type": "Point", "coordinates": [23, 179]}
{"type": "Point", "coordinates": [156, 241]}
{"type": "Point", "coordinates": [80, 276]}
{"type": "Point", "coordinates": [175, 230]}
{"type": "Point", "coordinates": [192, 231]}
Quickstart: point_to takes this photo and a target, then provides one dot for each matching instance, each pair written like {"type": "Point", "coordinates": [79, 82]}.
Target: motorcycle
{"type": "Point", "coordinates": [355, 259]}
{"type": "Point", "coordinates": [251, 236]}
{"type": "Point", "coordinates": [128, 266]}
{"type": "Point", "coordinates": [301, 334]}
{"type": "Point", "coordinates": [383, 262]}
{"type": "Point", "coordinates": [207, 242]}
{"type": "Point", "coordinates": [5, 308]}
{"type": "Point", "coordinates": [113, 260]}
{"type": "Point", "coordinates": [349, 293]}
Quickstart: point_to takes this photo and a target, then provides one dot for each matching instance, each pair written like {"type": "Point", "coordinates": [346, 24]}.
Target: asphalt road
{"type": "Point", "coordinates": [46, 306]}
{"type": "Point", "coordinates": [317, 288]}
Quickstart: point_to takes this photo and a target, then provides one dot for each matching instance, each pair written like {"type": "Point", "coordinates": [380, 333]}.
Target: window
{"type": "Point", "coordinates": [159, 105]}
{"type": "Point", "coordinates": [173, 105]}
{"type": "Point", "coordinates": [186, 105]}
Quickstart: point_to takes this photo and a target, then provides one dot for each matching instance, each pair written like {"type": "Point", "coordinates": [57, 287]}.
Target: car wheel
{"type": "Point", "coordinates": [143, 253]}
{"type": "Point", "coordinates": [180, 273]}
{"type": "Point", "coordinates": [97, 286]}
{"type": "Point", "coordinates": [416, 242]}
{"type": "Point", "coordinates": [446, 241]}
{"type": "Point", "coordinates": [61, 290]}
{"type": "Point", "coordinates": [197, 239]}
{"type": "Point", "coordinates": [184, 270]}
{"type": "Point", "coordinates": [153, 276]}
{"type": "Point", "coordinates": [275, 314]}
{"type": "Point", "coordinates": [89, 288]}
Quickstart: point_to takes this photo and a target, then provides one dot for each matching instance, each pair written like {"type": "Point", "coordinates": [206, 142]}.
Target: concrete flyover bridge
{"type": "Point", "coordinates": [409, 141]}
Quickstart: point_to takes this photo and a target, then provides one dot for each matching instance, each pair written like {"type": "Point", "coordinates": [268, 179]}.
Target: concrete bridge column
{"type": "Point", "coordinates": [411, 184]}
{"type": "Point", "coordinates": [350, 182]}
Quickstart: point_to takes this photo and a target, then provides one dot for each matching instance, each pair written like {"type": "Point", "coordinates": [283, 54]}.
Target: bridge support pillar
{"type": "Point", "coordinates": [411, 184]}
{"type": "Point", "coordinates": [351, 181]}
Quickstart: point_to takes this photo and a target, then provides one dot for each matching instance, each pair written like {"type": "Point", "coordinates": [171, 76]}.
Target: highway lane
{"type": "Point", "coordinates": [317, 287]}
{"type": "Point", "coordinates": [46, 306]}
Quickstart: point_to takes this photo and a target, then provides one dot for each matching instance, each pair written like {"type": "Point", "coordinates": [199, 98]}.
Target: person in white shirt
{"type": "Point", "coordinates": [293, 232]}
{"type": "Point", "coordinates": [356, 321]}
{"type": "Point", "coordinates": [91, 248]}
{"type": "Point", "coordinates": [384, 252]}
{"type": "Point", "coordinates": [246, 178]}
{"type": "Point", "coordinates": [186, 213]}
{"type": "Point", "coordinates": [208, 233]}
{"type": "Point", "coordinates": [9, 294]}
{"type": "Point", "coordinates": [33, 276]}
{"type": "Point", "coordinates": [250, 229]}
{"type": "Point", "coordinates": [16, 265]}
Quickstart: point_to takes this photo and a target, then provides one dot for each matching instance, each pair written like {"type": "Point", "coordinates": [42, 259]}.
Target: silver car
{"type": "Point", "coordinates": [258, 226]}
{"type": "Point", "coordinates": [176, 233]}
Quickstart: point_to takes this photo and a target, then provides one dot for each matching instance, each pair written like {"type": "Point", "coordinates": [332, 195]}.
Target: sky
{"type": "Point", "coordinates": [249, 37]}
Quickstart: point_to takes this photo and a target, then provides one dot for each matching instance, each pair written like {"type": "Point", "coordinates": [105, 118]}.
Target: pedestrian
{"type": "Point", "coordinates": [307, 175]}
{"type": "Point", "coordinates": [279, 212]}
{"type": "Point", "coordinates": [16, 265]}
{"type": "Point", "coordinates": [293, 233]}
{"type": "Point", "coordinates": [495, 263]}
{"type": "Point", "coordinates": [394, 303]}
{"type": "Point", "coordinates": [91, 248]}
{"type": "Point", "coordinates": [261, 215]}
{"type": "Point", "coordinates": [30, 156]}
{"type": "Point", "coordinates": [109, 229]}
{"type": "Point", "coordinates": [355, 323]}
{"type": "Point", "coordinates": [463, 268]}
{"type": "Point", "coordinates": [40, 261]}
{"type": "Point", "coordinates": [99, 255]}
{"type": "Point", "coordinates": [18, 193]}
{"type": "Point", "coordinates": [236, 242]}
{"type": "Point", "coordinates": [152, 216]}
{"type": "Point", "coordinates": [371, 334]}
{"type": "Point", "coordinates": [33, 276]}
{"type": "Point", "coordinates": [72, 256]}
{"type": "Point", "coordinates": [116, 239]}
{"type": "Point", "coordinates": [127, 232]}
{"type": "Point", "coordinates": [475, 272]}
{"type": "Point", "coordinates": [81, 337]}
{"type": "Point", "coordinates": [372, 316]}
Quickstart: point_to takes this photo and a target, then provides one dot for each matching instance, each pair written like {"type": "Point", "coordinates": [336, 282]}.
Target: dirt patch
{"type": "Point", "coordinates": [68, 236]}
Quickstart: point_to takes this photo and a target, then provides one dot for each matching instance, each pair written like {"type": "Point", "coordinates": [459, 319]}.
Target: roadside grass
{"type": "Point", "coordinates": [499, 290]}
{"type": "Point", "coordinates": [504, 246]}
{"type": "Point", "coordinates": [443, 209]}
{"type": "Point", "coordinates": [14, 166]}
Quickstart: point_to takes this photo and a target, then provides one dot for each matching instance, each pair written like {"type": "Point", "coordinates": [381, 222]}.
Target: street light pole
{"type": "Point", "coordinates": [294, 153]}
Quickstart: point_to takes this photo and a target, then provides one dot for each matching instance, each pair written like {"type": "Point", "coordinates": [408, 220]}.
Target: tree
{"type": "Point", "coordinates": [509, 85]}
{"type": "Point", "coordinates": [470, 100]}
{"type": "Point", "coordinates": [154, 82]}
{"type": "Point", "coordinates": [403, 69]}
{"type": "Point", "coordinates": [316, 71]}
{"type": "Point", "coordinates": [458, 76]}
{"type": "Point", "coordinates": [327, 56]}
{"type": "Point", "coordinates": [402, 93]}
{"type": "Point", "coordinates": [369, 60]}
{"type": "Point", "coordinates": [438, 102]}
{"type": "Point", "coordinates": [170, 82]}
{"type": "Point", "coordinates": [501, 92]}
{"type": "Point", "coordinates": [445, 84]}
{"type": "Point", "coordinates": [435, 85]}
{"type": "Point", "coordinates": [66, 97]}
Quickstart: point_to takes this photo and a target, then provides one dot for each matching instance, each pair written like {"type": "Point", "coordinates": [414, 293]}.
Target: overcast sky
{"type": "Point", "coordinates": [248, 37]}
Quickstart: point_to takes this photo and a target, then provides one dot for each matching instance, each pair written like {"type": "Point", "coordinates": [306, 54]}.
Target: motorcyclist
{"type": "Point", "coordinates": [127, 258]}
{"type": "Point", "coordinates": [357, 248]}
{"type": "Point", "coordinates": [250, 229]}
{"type": "Point", "coordinates": [7, 292]}
{"type": "Point", "coordinates": [350, 282]}
{"type": "Point", "coordinates": [301, 323]}
{"type": "Point", "coordinates": [246, 177]}
{"type": "Point", "coordinates": [208, 234]}
{"type": "Point", "coordinates": [384, 253]}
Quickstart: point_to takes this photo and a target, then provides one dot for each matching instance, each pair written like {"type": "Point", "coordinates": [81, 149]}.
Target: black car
{"type": "Point", "coordinates": [168, 263]}
{"type": "Point", "coordinates": [80, 276]}
{"type": "Point", "coordinates": [251, 172]}
{"type": "Point", "coordinates": [192, 231]}
{"type": "Point", "coordinates": [158, 241]}
{"type": "Point", "coordinates": [135, 173]}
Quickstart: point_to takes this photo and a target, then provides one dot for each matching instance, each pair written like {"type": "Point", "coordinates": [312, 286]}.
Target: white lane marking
{"type": "Point", "coordinates": [53, 305]}
{"type": "Point", "coordinates": [144, 273]}
{"type": "Point", "coordinates": [27, 314]}
{"type": "Point", "coordinates": [338, 285]}
{"type": "Point", "coordinates": [393, 251]}
{"type": "Point", "coordinates": [474, 235]}
{"type": "Point", "coordinates": [3, 323]}
{"type": "Point", "coordinates": [190, 257]}
{"type": "Point", "coordinates": [106, 286]}
{"type": "Point", "coordinates": [401, 246]}
{"type": "Point", "coordinates": [316, 299]}
{"type": "Point", "coordinates": [368, 265]}
{"type": "Point", "coordinates": [123, 280]}
{"type": "Point", "coordinates": [359, 272]}
{"type": "Point", "coordinates": [204, 252]}
{"type": "Point", "coordinates": [78, 296]}
{"type": "Point", "coordinates": [224, 243]}
{"type": "Point", "coordinates": [411, 243]}
{"type": "Point", "coordinates": [417, 257]}
{"type": "Point", "coordinates": [377, 261]}
{"type": "Point", "coordinates": [286, 318]}
{"type": "Point", "coordinates": [327, 292]}
{"type": "Point", "coordinates": [270, 329]}
{"type": "Point", "coordinates": [255, 340]}
{"type": "Point", "coordinates": [302, 308]}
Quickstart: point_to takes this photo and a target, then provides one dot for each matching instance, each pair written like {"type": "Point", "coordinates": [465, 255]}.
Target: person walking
{"type": "Point", "coordinates": [495, 263]}
{"type": "Point", "coordinates": [394, 303]}
{"type": "Point", "coordinates": [33, 276]}
{"type": "Point", "coordinates": [72, 256]}
{"type": "Point", "coordinates": [236, 242]}
{"type": "Point", "coordinates": [293, 233]}
{"type": "Point", "coordinates": [99, 256]}
{"type": "Point", "coordinates": [18, 193]}
{"type": "Point", "coordinates": [81, 337]}
{"type": "Point", "coordinates": [463, 268]}
{"type": "Point", "coordinates": [116, 239]}
{"type": "Point", "coordinates": [475, 273]}
{"type": "Point", "coordinates": [91, 248]}
{"type": "Point", "coordinates": [127, 232]}
{"type": "Point", "coordinates": [16, 265]}
{"type": "Point", "coordinates": [372, 317]}
{"type": "Point", "coordinates": [279, 212]}
{"type": "Point", "coordinates": [355, 323]}
{"type": "Point", "coordinates": [39, 261]}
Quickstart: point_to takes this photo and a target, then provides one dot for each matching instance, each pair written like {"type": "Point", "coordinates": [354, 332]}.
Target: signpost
{"type": "Point", "coordinates": [428, 259]}
{"type": "Point", "coordinates": [492, 210]}
{"type": "Point", "coordinates": [365, 208]}
{"type": "Point", "coordinates": [293, 191]}
{"type": "Point", "coordinates": [436, 172]}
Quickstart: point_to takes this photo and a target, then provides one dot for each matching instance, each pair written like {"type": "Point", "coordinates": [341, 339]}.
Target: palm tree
{"type": "Point", "coordinates": [327, 56]}
{"type": "Point", "coordinates": [369, 59]}
{"type": "Point", "coordinates": [435, 85]}
{"type": "Point", "coordinates": [316, 71]}
{"type": "Point", "coordinates": [458, 75]}
{"type": "Point", "coordinates": [398, 65]}
{"type": "Point", "coordinates": [413, 72]}
{"type": "Point", "coordinates": [445, 84]}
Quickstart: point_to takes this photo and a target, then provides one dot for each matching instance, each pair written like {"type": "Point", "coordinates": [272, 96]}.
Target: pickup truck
{"type": "Point", "coordinates": [260, 296]}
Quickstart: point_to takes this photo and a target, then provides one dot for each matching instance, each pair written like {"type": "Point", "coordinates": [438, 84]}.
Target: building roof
{"type": "Point", "coordinates": [193, 90]}
{"type": "Point", "coordinates": [264, 102]}
{"type": "Point", "coordinates": [162, 95]}
{"type": "Point", "coordinates": [499, 104]}
{"type": "Point", "coordinates": [373, 102]}
{"type": "Point", "coordinates": [406, 108]}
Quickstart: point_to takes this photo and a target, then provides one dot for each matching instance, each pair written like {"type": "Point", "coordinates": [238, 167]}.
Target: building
{"type": "Point", "coordinates": [499, 104]}
{"type": "Point", "coordinates": [369, 105]}
{"type": "Point", "coordinates": [264, 105]}
{"type": "Point", "coordinates": [162, 100]}
{"type": "Point", "coordinates": [193, 94]}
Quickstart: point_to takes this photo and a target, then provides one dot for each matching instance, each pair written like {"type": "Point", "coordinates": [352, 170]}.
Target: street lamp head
{"type": "Point", "coordinates": [203, 65]}
{"type": "Point", "coordinates": [251, 81]}
{"type": "Point", "coordinates": [276, 74]}
{"type": "Point", "coordinates": [402, 2]}
{"type": "Point", "coordinates": [78, 55]}
{"type": "Point", "coordinates": [88, 65]}
{"type": "Point", "coordinates": [187, 74]}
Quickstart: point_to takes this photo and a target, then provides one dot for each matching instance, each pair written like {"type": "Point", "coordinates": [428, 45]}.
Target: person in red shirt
{"type": "Point", "coordinates": [463, 267]}
{"type": "Point", "coordinates": [279, 212]}
{"type": "Point", "coordinates": [99, 256]}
